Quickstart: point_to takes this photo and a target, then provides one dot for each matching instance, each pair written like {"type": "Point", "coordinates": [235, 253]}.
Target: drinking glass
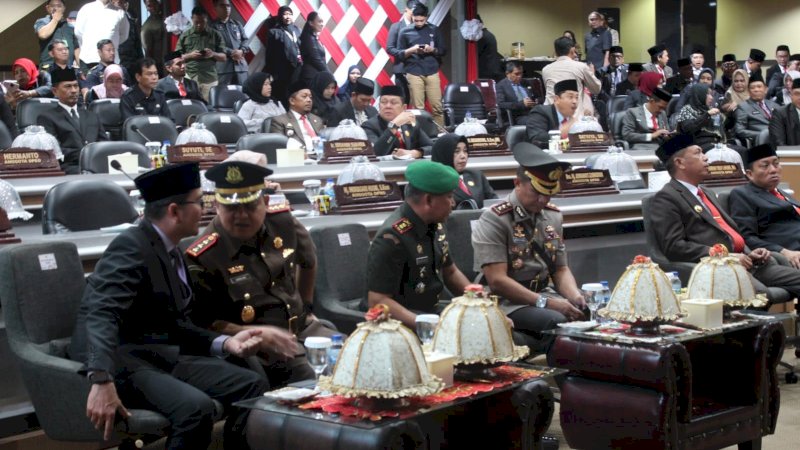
{"type": "Point", "coordinates": [426, 327]}
{"type": "Point", "coordinates": [317, 353]}
{"type": "Point", "coordinates": [311, 188]}
{"type": "Point", "coordinates": [591, 294]}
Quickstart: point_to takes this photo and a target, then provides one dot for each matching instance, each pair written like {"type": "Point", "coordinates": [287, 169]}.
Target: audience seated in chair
{"type": "Point", "coordinates": [112, 86]}
{"type": "Point", "coordinates": [514, 94]}
{"type": "Point", "coordinates": [561, 115]}
{"type": "Point", "coordinates": [298, 124]}
{"type": "Point", "coordinates": [143, 99]}
{"type": "Point", "coordinates": [175, 84]}
{"type": "Point", "coordinates": [30, 82]}
{"type": "Point", "coordinates": [784, 126]}
{"type": "Point", "coordinates": [395, 131]}
{"type": "Point", "coordinates": [357, 106]}
{"type": "Point", "coordinates": [107, 54]}
{"type": "Point", "coordinates": [261, 105]}
{"type": "Point", "coordinates": [646, 127]}
{"type": "Point", "coordinates": [753, 115]}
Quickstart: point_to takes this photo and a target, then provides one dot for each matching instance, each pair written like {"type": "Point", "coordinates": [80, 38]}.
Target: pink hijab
{"type": "Point", "coordinates": [105, 90]}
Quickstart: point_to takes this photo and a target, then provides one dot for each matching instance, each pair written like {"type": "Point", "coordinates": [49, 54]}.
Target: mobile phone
{"type": "Point", "coordinates": [11, 86]}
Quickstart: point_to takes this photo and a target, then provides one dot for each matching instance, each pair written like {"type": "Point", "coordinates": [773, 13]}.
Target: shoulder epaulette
{"type": "Point", "coordinates": [202, 244]}
{"type": "Point", "coordinates": [502, 208]}
{"type": "Point", "coordinates": [403, 226]}
{"type": "Point", "coordinates": [552, 206]}
{"type": "Point", "coordinates": [279, 208]}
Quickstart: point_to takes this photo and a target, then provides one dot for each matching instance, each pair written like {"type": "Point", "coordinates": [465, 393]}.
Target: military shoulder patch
{"type": "Point", "coordinates": [552, 206]}
{"type": "Point", "coordinates": [403, 226]}
{"type": "Point", "coordinates": [202, 244]}
{"type": "Point", "coordinates": [502, 208]}
{"type": "Point", "coordinates": [279, 208]}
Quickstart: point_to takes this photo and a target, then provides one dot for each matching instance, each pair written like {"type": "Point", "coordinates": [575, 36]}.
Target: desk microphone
{"type": "Point", "coordinates": [117, 166]}
{"type": "Point", "coordinates": [139, 132]}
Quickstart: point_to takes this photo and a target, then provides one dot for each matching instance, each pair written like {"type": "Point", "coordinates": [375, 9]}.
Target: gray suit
{"type": "Point", "coordinates": [651, 67]}
{"type": "Point", "coordinates": [283, 123]}
{"type": "Point", "coordinates": [765, 220]}
{"type": "Point", "coordinates": [635, 128]}
{"type": "Point", "coordinates": [233, 38]}
{"type": "Point", "coordinates": [751, 120]}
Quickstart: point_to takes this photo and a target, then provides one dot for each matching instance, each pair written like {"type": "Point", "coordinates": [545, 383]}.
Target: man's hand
{"type": "Point", "coordinates": [759, 255]}
{"type": "Point", "coordinates": [58, 13]}
{"type": "Point", "coordinates": [713, 111]}
{"type": "Point", "coordinates": [659, 133]}
{"type": "Point", "coordinates": [744, 260]}
{"type": "Point", "coordinates": [578, 302]}
{"type": "Point", "coordinates": [400, 152]}
{"type": "Point", "coordinates": [277, 342]}
{"type": "Point", "coordinates": [528, 102]}
{"type": "Point", "coordinates": [405, 118]}
{"type": "Point", "coordinates": [792, 256]}
{"type": "Point", "coordinates": [244, 343]}
{"type": "Point", "coordinates": [428, 49]}
{"type": "Point", "coordinates": [208, 53]}
{"type": "Point", "coordinates": [566, 308]}
{"type": "Point", "coordinates": [237, 55]}
{"type": "Point", "coordinates": [195, 54]}
{"type": "Point", "coordinates": [102, 406]}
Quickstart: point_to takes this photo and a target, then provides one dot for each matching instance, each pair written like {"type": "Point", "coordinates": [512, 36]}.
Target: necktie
{"type": "Point", "coordinates": [309, 129]}
{"type": "Point", "coordinates": [74, 114]}
{"type": "Point", "coordinates": [520, 92]}
{"type": "Point", "coordinates": [463, 186]}
{"type": "Point", "coordinates": [738, 241]}
{"type": "Point", "coordinates": [764, 108]}
{"type": "Point", "coordinates": [186, 291]}
{"type": "Point", "coordinates": [564, 132]}
{"type": "Point", "coordinates": [400, 142]}
{"type": "Point", "coordinates": [181, 89]}
{"type": "Point", "coordinates": [781, 197]}
{"type": "Point", "coordinates": [655, 122]}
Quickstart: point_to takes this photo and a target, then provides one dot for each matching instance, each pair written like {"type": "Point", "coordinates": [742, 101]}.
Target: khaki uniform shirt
{"type": "Point", "coordinates": [201, 70]}
{"type": "Point", "coordinates": [406, 258]}
{"type": "Point", "coordinates": [506, 233]}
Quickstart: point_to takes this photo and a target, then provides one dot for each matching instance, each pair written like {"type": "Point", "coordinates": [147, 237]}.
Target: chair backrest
{"type": "Point", "coordinates": [425, 120]}
{"type": "Point", "coordinates": [537, 86]}
{"type": "Point", "coordinates": [724, 199]}
{"type": "Point", "coordinates": [515, 134]}
{"type": "Point", "coordinates": [266, 125]}
{"type": "Point", "coordinates": [5, 136]}
{"type": "Point", "coordinates": [459, 235]}
{"type": "Point", "coordinates": [238, 105]}
{"type": "Point", "coordinates": [226, 126]}
{"type": "Point", "coordinates": [488, 92]}
{"type": "Point", "coordinates": [29, 110]}
{"type": "Point", "coordinates": [460, 98]}
{"type": "Point", "coordinates": [223, 97]}
{"type": "Point", "coordinates": [616, 125]}
{"type": "Point", "coordinates": [157, 128]}
{"type": "Point", "coordinates": [182, 108]}
{"type": "Point", "coordinates": [336, 279]}
{"type": "Point", "coordinates": [107, 110]}
{"type": "Point", "coordinates": [266, 143]}
{"type": "Point", "coordinates": [616, 104]}
{"type": "Point", "coordinates": [79, 205]}
{"type": "Point", "coordinates": [672, 106]}
{"type": "Point", "coordinates": [94, 156]}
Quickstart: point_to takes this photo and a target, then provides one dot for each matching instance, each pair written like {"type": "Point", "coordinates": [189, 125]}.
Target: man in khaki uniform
{"type": "Point", "coordinates": [519, 246]}
{"type": "Point", "coordinates": [254, 267]}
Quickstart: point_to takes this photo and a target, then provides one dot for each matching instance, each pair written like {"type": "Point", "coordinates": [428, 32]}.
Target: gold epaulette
{"type": "Point", "coordinates": [202, 244]}
{"type": "Point", "coordinates": [552, 206]}
{"type": "Point", "coordinates": [403, 226]}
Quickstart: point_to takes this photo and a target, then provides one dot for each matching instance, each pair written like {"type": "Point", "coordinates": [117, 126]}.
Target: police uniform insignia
{"type": "Point", "coordinates": [519, 211]}
{"type": "Point", "coordinates": [419, 288]}
{"type": "Point", "coordinates": [277, 242]}
{"type": "Point", "coordinates": [202, 244]}
{"type": "Point", "coordinates": [502, 208]}
{"type": "Point", "coordinates": [403, 226]}
{"type": "Point", "coordinates": [278, 208]}
{"type": "Point", "coordinates": [234, 175]}
{"type": "Point", "coordinates": [517, 264]}
{"type": "Point", "coordinates": [248, 314]}
{"type": "Point", "coordinates": [698, 209]}
{"type": "Point", "coordinates": [439, 226]}
{"type": "Point", "coordinates": [287, 252]}
{"type": "Point", "coordinates": [555, 174]}
{"type": "Point", "coordinates": [550, 232]}
{"type": "Point", "coordinates": [519, 231]}
{"type": "Point", "coordinates": [235, 269]}
{"type": "Point", "coordinates": [419, 248]}
{"type": "Point", "coordinates": [552, 206]}
{"type": "Point", "coordinates": [471, 183]}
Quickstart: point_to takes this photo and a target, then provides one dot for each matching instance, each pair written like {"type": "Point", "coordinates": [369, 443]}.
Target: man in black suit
{"type": "Point", "coordinates": [728, 66]}
{"type": "Point", "coordinates": [784, 126]}
{"type": "Point", "coordinates": [175, 84]}
{"type": "Point", "coordinates": [72, 128]}
{"type": "Point", "coordinates": [632, 81]}
{"type": "Point", "coordinates": [753, 64]}
{"type": "Point", "coordinates": [358, 109]}
{"type": "Point", "coordinates": [767, 216]}
{"type": "Point", "coordinates": [558, 116]}
{"type": "Point", "coordinates": [614, 73]}
{"type": "Point", "coordinates": [515, 94]}
{"type": "Point", "coordinates": [396, 131]}
{"type": "Point", "coordinates": [143, 99]}
{"type": "Point", "coordinates": [676, 83]}
{"type": "Point", "coordinates": [777, 71]}
{"type": "Point", "coordinates": [489, 61]}
{"type": "Point", "coordinates": [298, 123]}
{"type": "Point", "coordinates": [133, 333]}
{"type": "Point", "coordinates": [688, 220]}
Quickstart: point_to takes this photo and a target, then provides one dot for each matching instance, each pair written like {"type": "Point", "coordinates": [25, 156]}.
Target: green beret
{"type": "Point", "coordinates": [432, 177]}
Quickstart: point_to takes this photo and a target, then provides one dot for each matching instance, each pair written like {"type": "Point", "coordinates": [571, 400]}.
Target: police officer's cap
{"type": "Point", "coordinates": [237, 182]}
{"type": "Point", "coordinates": [543, 170]}
{"type": "Point", "coordinates": [674, 145]}
{"type": "Point", "coordinates": [168, 181]}
{"type": "Point", "coordinates": [432, 177]}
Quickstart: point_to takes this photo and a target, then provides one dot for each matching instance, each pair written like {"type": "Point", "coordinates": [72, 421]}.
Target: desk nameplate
{"type": "Point", "coordinates": [27, 162]}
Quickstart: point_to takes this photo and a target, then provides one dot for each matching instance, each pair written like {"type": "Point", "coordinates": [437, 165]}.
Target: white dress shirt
{"type": "Point", "coordinates": [96, 22]}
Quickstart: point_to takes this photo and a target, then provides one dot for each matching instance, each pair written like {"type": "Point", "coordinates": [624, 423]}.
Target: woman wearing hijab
{"type": "Point", "coordinates": [699, 118]}
{"type": "Point", "coordinates": [735, 95]}
{"type": "Point", "coordinates": [706, 76]}
{"type": "Point", "coordinates": [473, 187]}
{"type": "Point", "coordinates": [353, 74]}
{"type": "Point", "coordinates": [784, 96]}
{"type": "Point", "coordinates": [312, 51]}
{"type": "Point", "coordinates": [112, 86]}
{"type": "Point", "coordinates": [31, 82]}
{"type": "Point", "coordinates": [323, 88]}
{"type": "Point", "coordinates": [647, 83]}
{"type": "Point", "coordinates": [260, 106]}
{"type": "Point", "coordinates": [282, 58]}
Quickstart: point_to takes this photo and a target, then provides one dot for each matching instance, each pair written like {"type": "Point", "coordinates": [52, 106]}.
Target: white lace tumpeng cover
{"type": "Point", "coordinates": [643, 293]}
{"type": "Point", "coordinates": [722, 277]}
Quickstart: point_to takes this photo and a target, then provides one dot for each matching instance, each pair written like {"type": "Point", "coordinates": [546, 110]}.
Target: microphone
{"type": "Point", "coordinates": [117, 166]}
{"type": "Point", "coordinates": [139, 132]}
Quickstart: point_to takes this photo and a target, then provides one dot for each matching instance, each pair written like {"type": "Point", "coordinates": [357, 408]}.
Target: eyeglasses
{"type": "Point", "coordinates": [198, 202]}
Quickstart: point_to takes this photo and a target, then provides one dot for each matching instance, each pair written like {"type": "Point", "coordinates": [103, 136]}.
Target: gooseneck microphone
{"type": "Point", "coordinates": [139, 132]}
{"type": "Point", "coordinates": [117, 166]}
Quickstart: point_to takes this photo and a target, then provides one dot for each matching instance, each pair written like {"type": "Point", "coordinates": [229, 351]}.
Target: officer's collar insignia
{"type": "Point", "coordinates": [277, 242]}
{"type": "Point", "coordinates": [502, 208]}
{"type": "Point", "coordinates": [520, 212]}
{"type": "Point", "coordinates": [235, 269]}
{"type": "Point", "coordinates": [202, 244]}
{"type": "Point", "coordinates": [403, 226]}
{"type": "Point", "coordinates": [287, 252]}
{"type": "Point", "coordinates": [552, 206]}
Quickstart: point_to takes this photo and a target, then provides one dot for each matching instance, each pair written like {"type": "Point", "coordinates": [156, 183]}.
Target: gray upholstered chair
{"type": "Point", "coordinates": [94, 156]}
{"type": "Point", "coordinates": [514, 135]}
{"type": "Point", "coordinates": [266, 143]}
{"type": "Point", "coordinates": [79, 205]}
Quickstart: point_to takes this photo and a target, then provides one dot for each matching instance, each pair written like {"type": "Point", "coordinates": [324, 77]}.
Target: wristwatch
{"type": "Point", "coordinates": [100, 377]}
{"type": "Point", "coordinates": [541, 302]}
{"type": "Point", "coordinates": [391, 125]}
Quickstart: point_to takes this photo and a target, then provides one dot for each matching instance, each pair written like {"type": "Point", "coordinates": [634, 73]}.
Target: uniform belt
{"type": "Point", "coordinates": [294, 323]}
{"type": "Point", "coordinates": [537, 284]}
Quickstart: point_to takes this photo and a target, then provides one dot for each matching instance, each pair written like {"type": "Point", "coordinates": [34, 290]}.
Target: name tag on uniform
{"type": "Point", "coordinates": [422, 260]}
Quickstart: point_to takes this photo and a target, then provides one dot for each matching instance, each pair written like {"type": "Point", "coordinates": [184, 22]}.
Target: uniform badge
{"type": "Point", "coordinates": [502, 208]}
{"type": "Point", "coordinates": [234, 175]}
{"type": "Point", "coordinates": [698, 209]}
{"type": "Point", "coordinates": [235, 269]}
{"type": "Point", "coordinates": [550, 232]}
{"type": "Point", "coordinates": [520, 212]}
{"type": "Point", "coordinates": [439, 226]}
{"type": "Point", "coordinates": [403, 226]}
{"type": "Point", "coordinates": [287, 252]}
{"type": "Point", "coordinates": [248, 314]}
{"type": "Point", "coordinates": [519, 231]}
{"type": "Point", "coordinates": [552, 206]}
{"type": "Point", "coordinates": [419, 248]}
{"type": "Point", "coordinates": [471, 183]}
{"type": "Point", "coordinates": [517, 264]}
{"type": "Point", "coordinates": [277, 242]}
{"type": "Point", "coordinates": [419, 288]}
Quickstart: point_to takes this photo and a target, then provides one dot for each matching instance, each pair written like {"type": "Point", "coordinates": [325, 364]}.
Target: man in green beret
{"type": "Point", "coordinates": [519, 246]}
{"type": "Point", "coordinates": [409, 259]}
{"type": "Point", "coordinates": [254, 268]}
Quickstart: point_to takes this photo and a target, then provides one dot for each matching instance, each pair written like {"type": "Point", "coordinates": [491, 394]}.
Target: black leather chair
{"type": "Point", "coordinates": [616, 129]}
{"type": "Point", "coordinates": [79, 205]}
{"type": "Point", "coordinates": [238, 105]}
{"type": "Point", "coordinates": [515, 134]}
{"type": "Point", "coordinates": [458, 100]}
{"type": "Point", "coordinates": [155, 128]}
{"type": "Point", "coordinates": [182, 109]}
{"type": "Point", "coordinates": [94, 156]}
{"type": "Point", "coordinates": [672, 108]}
{"type": "Point", "coordinates": [28, 110]}
{"type": "Point", "coordinates": [266, 125]}
{"type": "Point", "coordinates": [226, 126]}
{"type": "Point", "coordinates": [5, 137]}
{"type": "Point", "coordinates": [107, 110]}
{"type": "Point", "coordinates": [459, 234]}
{"type": "Point", "coordinates": [616, 104]}
{"type": "Point", "coordinates": [224, 97]}
{"type": "Point", "coordinates": [266, 143]}
{"type": "Point", "coordinates": [429, 127]}
{"type": "Point", "coordinates": [341, 284]}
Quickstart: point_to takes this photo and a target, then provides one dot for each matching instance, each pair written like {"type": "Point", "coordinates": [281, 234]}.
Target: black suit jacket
{"type": "Point", "coordinates": [168, 87]}
{"type": "Point", "coordinates": [313, 56]}
{"type": "Point", "coordinates": [280, 59]}
{"type": "Point", "coordinates": [479, 188]}
{"type": "Point", "coordinates": [490, 65]}
{"type": "Point", "coordinates": [784, 126]}
{"type": "Point", "coordinates": [129, 307]}
{"type": "Point", "coordinates": [344, 110]}
{"type": "Point", "coordinates": [542, 119]}
{"type": "Point", "coordinates": [393, 46]}
{"type": "Point", "coordinates": [72, 136]}
{"type": "Point", "coordinates": [384, 141]}
{"type": "Point", "coordinates": [507, 98]}
{"type": "Point", "coordinates": [765, 220]}
{"type": "Point", "coordinates": [683, 226]}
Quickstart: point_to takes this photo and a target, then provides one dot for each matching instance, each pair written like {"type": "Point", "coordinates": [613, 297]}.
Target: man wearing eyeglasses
{"type": "Point", "coordinates": [254, 268]}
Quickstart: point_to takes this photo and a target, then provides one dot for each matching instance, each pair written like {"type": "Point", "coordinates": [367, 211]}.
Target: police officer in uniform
{"type": "Point", "coordinates": [519, 246]}
{"type": "Point", "coordinates": [409, 259]}
{"type": "Point", "coordinates": [254, 267]}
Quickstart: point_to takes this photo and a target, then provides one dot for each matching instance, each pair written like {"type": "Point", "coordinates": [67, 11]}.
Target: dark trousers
{"type": "Point", "coordinates": [531, 321]}
{"type": "Point", "coordinates": [775, 275]}
{"type": "Point", "coordinates": [184, 397]}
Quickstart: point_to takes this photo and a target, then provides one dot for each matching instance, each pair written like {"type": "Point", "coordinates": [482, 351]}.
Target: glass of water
{"type": "Point", "coordinates": [317, 353]}
{"type": "Point", "coordinates": [312, 188]}
{"type": "Point", "coordinates": [591, 294]}
{"type": "Point", "coordinates": [426, 327]}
